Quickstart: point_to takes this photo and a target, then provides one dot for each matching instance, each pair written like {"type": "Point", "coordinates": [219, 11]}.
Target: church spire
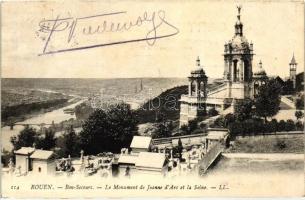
{"type": "Point", "coordinates": [293, 62]}
{"type": "Point", "coordinates": [238, 24]}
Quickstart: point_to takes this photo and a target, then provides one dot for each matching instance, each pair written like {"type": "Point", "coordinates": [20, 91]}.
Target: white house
{"type": "Point", "coordinates": [140, 144]}
{"type": "Point", "coordinates": [23, 162]}
{"type": "Point", "coordinates": [43, 162]}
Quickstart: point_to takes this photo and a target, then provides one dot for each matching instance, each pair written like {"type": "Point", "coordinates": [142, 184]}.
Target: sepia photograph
{"type": "Point", "coordinates": [152, 98]}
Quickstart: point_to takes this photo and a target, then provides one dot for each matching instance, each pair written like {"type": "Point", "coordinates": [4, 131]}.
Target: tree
{"type": "Point", "coordinates": [281, 125]}
{"type": "Point", "coordinates": [268, 99]}
{"type": "Point", "coordinates": [243, 109]}
{"type": "Point", "coordinates": [26, 138]}
{"type": "Point", "coordinates": [83, 111]}
{"type": "Point", "coordinates": [287, 87]}
{"type": "Point", "coordinates": [185, 129]}
{"type": "Point", "coordinates": [229, 118]}
{"type": "Point", "coordinates": [108, 130]}
{"type": "Point", "coordinates": [180, 148]}
{"type": "Point", "coordinates": [299, 114]}
{"type": "Point", "coordinates": [290, 126]}
{"type": "Point", "coordinates": [48, 141]}
{"type": "Point", "coordinates": [299, 103]}
{"type": "Point", "coordinates": [163, 130]}
{"type": "Point", "coordinates": [70, 143]}
{"type": "Point", "coordinates": [193, 125]}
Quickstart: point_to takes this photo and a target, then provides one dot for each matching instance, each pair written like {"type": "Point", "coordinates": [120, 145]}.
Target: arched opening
{"type": "Point", "coordinates": [193, 88]}
{"type": "Point", "coordinates": [39, 169]}
{"type": "Point", "coordinates": [202, 89]}
{"type": "Point", "coordinates": [235, 70]}
{"type": "Point", "coordinates": [246, 71]}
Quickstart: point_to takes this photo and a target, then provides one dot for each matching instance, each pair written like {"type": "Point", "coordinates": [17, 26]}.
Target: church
{"type": "Point", "coordinates": [239, 80]}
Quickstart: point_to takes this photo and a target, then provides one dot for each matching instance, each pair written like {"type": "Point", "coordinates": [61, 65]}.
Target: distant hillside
{"type": "Point", "coordinates": [166, 103]}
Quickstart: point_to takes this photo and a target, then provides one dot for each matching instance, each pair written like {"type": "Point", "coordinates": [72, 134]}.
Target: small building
{"type": "Point", "coordinates": [43, 162]}
{"type": "Point", "coordinates": [127, 160]}
{"type": "Point", "coordinates": [153, 162]}
{"type": "Point", "coordinates": [140, 144]}
{"type": "Point", "coordinates": [23, 161]}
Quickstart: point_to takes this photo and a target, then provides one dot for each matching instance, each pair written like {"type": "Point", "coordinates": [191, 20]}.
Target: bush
{"type": "Point", "coordinates": [212, 112]}
{"type": "Point", "coordinates": [281, 125]}
{"type": "Point", "coordinates": [290, 126]}
{"type": "Point", "coordinates": [299, 126]}
{"type": "Point", "coordinates": [193, 124]}
{"type": "Point", "coordinates": [299, 103]}
{"type": "Point", "coordinates": [229, 118]}
{"type": "Point", "coordinates": [219, 122]}
{"type": "Point", "coordinates": [280, 144]}
{"type": "Point", "coordinates": [299, 114]}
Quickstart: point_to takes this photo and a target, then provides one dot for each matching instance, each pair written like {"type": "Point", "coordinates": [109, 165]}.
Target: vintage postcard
{"type": "Point", "coordinates": [152, 98]}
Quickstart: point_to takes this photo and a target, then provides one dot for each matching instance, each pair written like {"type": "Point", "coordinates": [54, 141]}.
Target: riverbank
{"type": "Point", "coordinates": [24, 116]}
{"type": "Point", "coordinates": [57, 116]}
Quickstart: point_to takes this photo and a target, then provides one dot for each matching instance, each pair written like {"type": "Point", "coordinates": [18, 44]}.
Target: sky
{"type": "Point", "coordinates": [275, 28]}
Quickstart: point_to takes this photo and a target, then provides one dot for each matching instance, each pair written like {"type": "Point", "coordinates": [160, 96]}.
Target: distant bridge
{"type": "Point", "coordinates": [29, 124]}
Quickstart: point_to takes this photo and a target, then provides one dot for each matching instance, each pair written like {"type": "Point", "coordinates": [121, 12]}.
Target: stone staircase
{"type": "Point", "coordinates": [288, 102]}
{"type": "Point", "coordinates": [216, 89]}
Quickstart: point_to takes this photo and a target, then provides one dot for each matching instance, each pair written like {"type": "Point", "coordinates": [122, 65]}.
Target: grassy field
{"type": "Point", "coordinates": [269, 144]}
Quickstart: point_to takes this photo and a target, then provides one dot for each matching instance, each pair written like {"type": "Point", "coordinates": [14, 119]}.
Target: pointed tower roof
{"type": "Point", "coordinates": [293, 62]}
{"type": "Point", "coordinates": [259, 71]}
{"type": "Point", "coordinates": [198, 71]}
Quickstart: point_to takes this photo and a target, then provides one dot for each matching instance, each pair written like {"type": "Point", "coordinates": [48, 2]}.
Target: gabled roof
{"type": "Point", "coordinates": [140, 142]}
{"type": "Point", "coordinates": [42, 154]}
{"type": "Point", "coordinates": [150, 160]}
{"type": "Point", "coordinates": [128, 159]}
{"type": "Point", "coordinates": [25, 151]}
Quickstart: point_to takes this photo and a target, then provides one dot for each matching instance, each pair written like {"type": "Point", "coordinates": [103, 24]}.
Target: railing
{"type": "Point", "coordinates": [214, 89]}
{"type": "Point", "coordinates": [210, 157]}
{"type": "Point", "coordinates": [169, 140]}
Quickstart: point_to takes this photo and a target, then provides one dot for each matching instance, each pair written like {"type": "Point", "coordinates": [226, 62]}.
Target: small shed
{"type": "Point", "coordinates": [43, 162]}
{"type": "Point", "coordinates": [216, 135]}
{"type": "Point", "coordinates": [140, 144]}
{"type": "Point", "coordinates": [23, 162]}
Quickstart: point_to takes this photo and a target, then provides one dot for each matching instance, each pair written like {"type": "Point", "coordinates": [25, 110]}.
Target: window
{"type": "Point", "coordinates": [39, 169]}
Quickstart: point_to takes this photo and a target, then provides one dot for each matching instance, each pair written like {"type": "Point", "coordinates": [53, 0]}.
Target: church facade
{"type": "Point", "coordinates": [239, 79]}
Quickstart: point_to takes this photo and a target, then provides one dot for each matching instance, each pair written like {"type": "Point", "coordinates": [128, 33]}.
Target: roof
{"type": "Point", "coordinates": [150, 160]}
{"type": "Point", "coordinates": [128, 159]}
{"type": "Point", "coordinates": [140, 142]}
{"type": "Point", "coordinates": [42, 154]}
{"type": "Point", "coordinates": [25, 151]}
{"type": "Point", "coordinates": [259, 71]}
{"type": "Point", "coordinates": [293, 62]}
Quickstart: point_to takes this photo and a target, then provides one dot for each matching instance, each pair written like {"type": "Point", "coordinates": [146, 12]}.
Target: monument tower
{"type": "Point", "coordinates": [193, 104]}
{"type": "Point", "coordinates": [293, 71]}
{"type": "Point", "coordinates": [238, 56]}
